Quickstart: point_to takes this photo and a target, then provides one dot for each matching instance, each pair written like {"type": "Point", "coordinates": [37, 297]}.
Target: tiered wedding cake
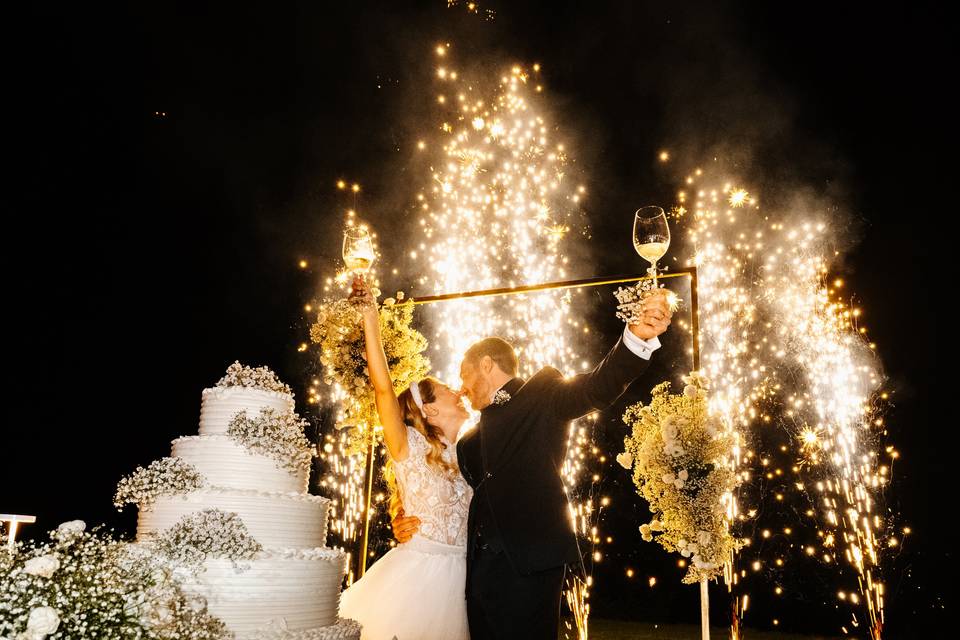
{"type": "Point", "coordinates": [231, 504]}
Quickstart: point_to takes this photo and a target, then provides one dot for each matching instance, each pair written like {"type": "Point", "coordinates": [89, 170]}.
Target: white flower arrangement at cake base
{"type": "Point", "coordinates": [167, 476]}
{"type": "Point", "coordinates": [338, 332]}
{"type": "Point", "coordinates": [279, 436]}
{"type": "Point", "coordinates": [682, 462]}
{"type": "Point", "coordinates": [89, 585]}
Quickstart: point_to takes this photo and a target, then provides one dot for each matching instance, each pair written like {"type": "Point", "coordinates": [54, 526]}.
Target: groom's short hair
{"type": "Point", "coordinates": [499, 350]}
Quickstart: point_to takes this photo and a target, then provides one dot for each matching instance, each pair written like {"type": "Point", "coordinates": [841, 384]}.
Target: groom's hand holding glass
{"type": "Point", "coordinates": [656, 316]}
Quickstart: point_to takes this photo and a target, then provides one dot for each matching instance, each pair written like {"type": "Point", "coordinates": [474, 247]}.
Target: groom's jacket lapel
{"type": "Point", "coordinates": [504, 425]}
{"type": "Point", "coordinates": [499, 432]}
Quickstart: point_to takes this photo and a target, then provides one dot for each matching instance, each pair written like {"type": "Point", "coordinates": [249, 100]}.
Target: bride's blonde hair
{"type": "Point", "coordinates": [411, 416]}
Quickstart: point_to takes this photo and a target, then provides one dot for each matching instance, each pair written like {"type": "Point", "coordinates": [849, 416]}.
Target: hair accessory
{"type": "Point", "coordinates": [415, 392]}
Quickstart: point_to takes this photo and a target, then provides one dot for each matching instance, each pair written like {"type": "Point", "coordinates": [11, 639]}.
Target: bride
{"type": "Point", "coordinates": [416, 591]}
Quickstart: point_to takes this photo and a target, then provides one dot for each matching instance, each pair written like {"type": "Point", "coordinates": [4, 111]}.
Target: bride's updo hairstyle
{"type": "Point", "coordinates": [412, 416]}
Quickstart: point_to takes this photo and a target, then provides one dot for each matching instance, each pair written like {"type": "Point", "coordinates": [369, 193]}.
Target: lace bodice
{"type": "Point", "coordinates": [440, 500]}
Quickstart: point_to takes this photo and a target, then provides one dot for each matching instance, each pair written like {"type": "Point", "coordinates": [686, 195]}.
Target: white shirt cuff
{"type": "Point", "coordinates": [639, 346]}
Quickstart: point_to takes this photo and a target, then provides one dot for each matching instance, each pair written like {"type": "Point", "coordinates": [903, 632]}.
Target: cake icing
{"type": "Point", "coordinates": [220, 404]}
{"type": "Point", "coordinates": [225, 463]}
{"type": "Point", "coordinates": [305, 593]}
{"type": "Point", "coordinates": [273, 519]}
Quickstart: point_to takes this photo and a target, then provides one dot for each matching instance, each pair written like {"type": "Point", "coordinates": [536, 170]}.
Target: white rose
{"type": "Point", "coordinates": [72, 528]}
{"type": "Point", "coordinates": [44, 566]}
{"type": "Point", "coordinates": [683, 475]}
{"type": "Point", "coordinates": [690, 391]}
{"type": "Point", "coordinates": [43, 620]}
{"type": "Point", "coordinates": [625, 459]}
{"type": "Point", "coordinates": [704, 537]}
{"type": "Point", "coordinates": [667, 478]}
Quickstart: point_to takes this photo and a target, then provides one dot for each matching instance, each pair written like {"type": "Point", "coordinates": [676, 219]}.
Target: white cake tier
{"type": "Point", "coordinates": [275, 520]}
{"type": "Point", "coordinates": [226, 463]}
{"type": "Point", "coordinates": [290, 591]}
{"type": "Point", "coordinates": [220, 404]}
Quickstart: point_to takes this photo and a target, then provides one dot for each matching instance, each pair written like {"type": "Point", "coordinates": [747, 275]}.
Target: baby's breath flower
{"type": "Point", "coordinates": [338, 332]}
{"type": "Point", "coordinates": [209, 533]}
{"type": "Point", "coordinates": [278, 435]}
{"type": "Point", "coordinates": [239, 375]}
{"type": "Point", "coordinates": [682, 466]}
{"type": "Point", "coordinates": [89, 585]}
{"type": "Point", "coordinates": [167, 476]}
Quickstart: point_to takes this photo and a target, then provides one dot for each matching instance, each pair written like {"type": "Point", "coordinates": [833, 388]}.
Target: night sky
{"type": "Point", "coordinates": [173, 163]}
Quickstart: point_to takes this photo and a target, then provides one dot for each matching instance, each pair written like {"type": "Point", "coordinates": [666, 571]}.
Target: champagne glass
{"type": "Point", "coordinates": [651, 236]}
{"type": "Point", "coordinates": [358, 251]}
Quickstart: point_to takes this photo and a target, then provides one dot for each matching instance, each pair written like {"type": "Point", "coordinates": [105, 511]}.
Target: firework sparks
{"type": "Point", "coordinates": [496, 213]}
{"type": "Point", "coordinates": [783, 350]}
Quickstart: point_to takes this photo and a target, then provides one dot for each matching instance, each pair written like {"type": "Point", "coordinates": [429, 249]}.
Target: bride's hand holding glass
{"type": "Point", "coordinates": [362, 296]}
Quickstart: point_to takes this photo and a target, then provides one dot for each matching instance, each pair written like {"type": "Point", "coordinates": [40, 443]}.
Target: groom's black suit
{"type": "Point", "coordinates": [520, 536]}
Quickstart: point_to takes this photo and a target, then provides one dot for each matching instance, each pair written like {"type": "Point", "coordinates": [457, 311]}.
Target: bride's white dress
{"type": "Point", "coordinates": [416, 590]}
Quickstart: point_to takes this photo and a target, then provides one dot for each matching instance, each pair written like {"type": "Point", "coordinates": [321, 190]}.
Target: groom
{"type": "Point", "coordinates": [520, 536]}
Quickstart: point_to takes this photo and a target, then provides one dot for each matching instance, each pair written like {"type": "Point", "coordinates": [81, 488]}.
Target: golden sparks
{"type": "Point", "coordinates": [783, 342]}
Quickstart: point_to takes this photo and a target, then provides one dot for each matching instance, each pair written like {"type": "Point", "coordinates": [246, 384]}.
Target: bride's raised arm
{"type": "Point", "coordinates": [394, 430]}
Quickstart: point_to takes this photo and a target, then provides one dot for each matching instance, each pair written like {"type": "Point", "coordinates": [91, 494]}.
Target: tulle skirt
{"type": "Point", "coordinates": [414, 592]}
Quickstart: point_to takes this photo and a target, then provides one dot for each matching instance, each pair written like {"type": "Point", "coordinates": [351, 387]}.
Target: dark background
{"type": "Point", "coordinates": [145, 252]}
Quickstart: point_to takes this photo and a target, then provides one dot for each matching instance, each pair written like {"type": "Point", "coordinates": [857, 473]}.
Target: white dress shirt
{"type": "Point", "coordinates": [639, 346]}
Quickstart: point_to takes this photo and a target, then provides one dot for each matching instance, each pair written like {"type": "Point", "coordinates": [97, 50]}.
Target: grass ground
{"type": "Point", "coordinates": [626, 630]}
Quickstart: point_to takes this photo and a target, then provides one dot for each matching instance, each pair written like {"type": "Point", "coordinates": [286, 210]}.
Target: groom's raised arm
{"type": "Point", "coordinates": [600, 387]}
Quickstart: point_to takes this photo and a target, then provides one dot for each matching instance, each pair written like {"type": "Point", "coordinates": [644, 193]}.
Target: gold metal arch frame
{"type": "Point", "coordinates": [504, 291]}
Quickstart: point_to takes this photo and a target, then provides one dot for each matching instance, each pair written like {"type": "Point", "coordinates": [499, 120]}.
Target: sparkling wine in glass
{"type": "Point", "coordinates": [358, 251]}
{"type": "Point", "coordinates": [651, 236]}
